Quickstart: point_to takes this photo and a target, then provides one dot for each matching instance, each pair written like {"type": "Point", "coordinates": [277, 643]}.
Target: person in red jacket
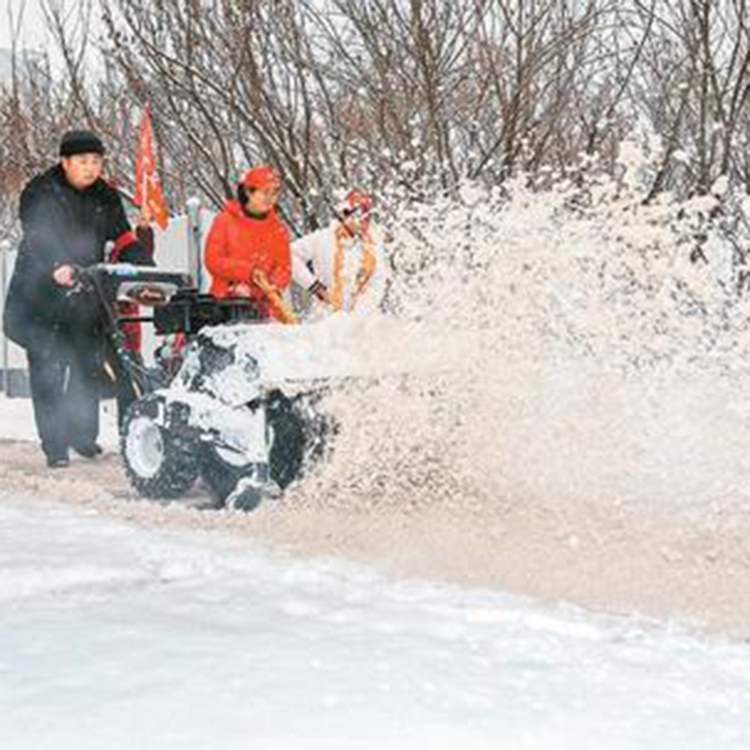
{"type": "Point", "coordinates": [248, 250]}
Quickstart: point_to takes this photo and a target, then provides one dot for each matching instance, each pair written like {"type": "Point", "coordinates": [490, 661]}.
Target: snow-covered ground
{"type": "Point", "coordinates": [113, 635]}
{"type": "Point", "coordinates": [116, 637]}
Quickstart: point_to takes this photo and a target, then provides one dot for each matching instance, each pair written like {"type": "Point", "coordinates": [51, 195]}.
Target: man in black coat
{"type": "Point", "coordinates": [69, 215]}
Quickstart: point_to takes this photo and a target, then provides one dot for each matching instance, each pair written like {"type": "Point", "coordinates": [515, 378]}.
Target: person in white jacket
{"type": "Point", "coordinates": [342, 264]}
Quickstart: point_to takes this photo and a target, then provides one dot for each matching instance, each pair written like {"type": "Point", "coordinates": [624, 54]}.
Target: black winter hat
{"type": "Point", "coordinates": [81, 142]}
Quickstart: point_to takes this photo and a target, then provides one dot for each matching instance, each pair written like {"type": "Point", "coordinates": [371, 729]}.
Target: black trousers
{"type": "Point", "coordinates": [65, 376]}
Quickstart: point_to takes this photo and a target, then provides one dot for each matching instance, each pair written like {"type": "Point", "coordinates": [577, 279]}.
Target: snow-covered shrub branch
{"type": "Point", "coordinates": [342, 92]}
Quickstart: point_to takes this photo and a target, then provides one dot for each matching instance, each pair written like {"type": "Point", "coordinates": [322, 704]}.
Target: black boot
{"type": "Point", "coordinates": [88, 450]}
{"type": "Point", "coordinates": [60, 461]}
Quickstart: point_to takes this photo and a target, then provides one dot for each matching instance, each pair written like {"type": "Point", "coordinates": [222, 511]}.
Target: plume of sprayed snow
{"type": "Point", "coordinates": [593, 346]}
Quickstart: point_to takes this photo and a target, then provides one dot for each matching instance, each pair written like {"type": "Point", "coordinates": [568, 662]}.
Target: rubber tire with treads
{"type": "Point", "coordinates": [290, 440]}
{"type": "Point", "coordinates": [157, 463]}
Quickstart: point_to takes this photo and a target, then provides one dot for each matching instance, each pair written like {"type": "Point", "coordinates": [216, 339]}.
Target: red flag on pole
{"type": "Point", "coordinates": [148, 186]}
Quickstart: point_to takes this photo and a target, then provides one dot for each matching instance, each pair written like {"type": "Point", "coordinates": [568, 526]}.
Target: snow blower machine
{"type": "Point", "coordinates": [226, 405]}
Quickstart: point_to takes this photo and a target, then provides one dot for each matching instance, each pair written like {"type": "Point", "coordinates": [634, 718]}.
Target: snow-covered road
{"type": "Point", "coordinates": [115, 636]}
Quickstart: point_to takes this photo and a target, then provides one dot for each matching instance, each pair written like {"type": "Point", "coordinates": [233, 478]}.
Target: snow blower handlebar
{"type": "Point", "coordinates": [122, 282]}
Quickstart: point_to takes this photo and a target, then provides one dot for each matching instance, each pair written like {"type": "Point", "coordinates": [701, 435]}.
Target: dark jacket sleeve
{"type": "Point", "coordinates": [127, 248]}
{"type": "Point", "coordinates": [34, 301]}
{"type": "Point", "coordinates": [40, 251]}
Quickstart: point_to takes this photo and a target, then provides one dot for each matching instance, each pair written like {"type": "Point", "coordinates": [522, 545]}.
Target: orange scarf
{"type": "Point", "coordinates": [365, 273]}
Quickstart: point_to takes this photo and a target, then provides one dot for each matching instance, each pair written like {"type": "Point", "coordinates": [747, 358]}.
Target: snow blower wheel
{"type": "Point", "coordinates": [288, 440]}
{"type": "Point", "coordinates": [158, 463]}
